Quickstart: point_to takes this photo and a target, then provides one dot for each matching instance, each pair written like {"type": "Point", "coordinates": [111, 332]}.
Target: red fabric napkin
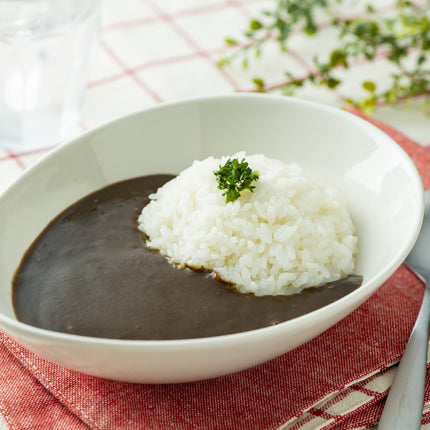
{"type": "Point", "coordinates": [336, 381]}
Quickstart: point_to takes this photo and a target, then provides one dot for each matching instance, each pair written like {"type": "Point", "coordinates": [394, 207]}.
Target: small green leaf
{"type": "Point", "coordinates": [230, 41]}
{"type": "Point", "coordinates": [222, 62]}
{"type": "Point", "coordinates": [368, 105]}
{"type": "Point", "coordinates": [332, 82]}
{"type": "Point", "coordinates": [255, 25]}
{"type": "Point", "coordinates": [259, 83]}
{"type": "Point", "coordinates": [391, 96]}
{"type": "Point", "coordinates": [421, 59]}
{"type": "Point", "coordinates": [366, 28]}
{"type": "Point", "coordinates": [337, 58]}
{"type": "Point", "coordinates": [288, 90]}
{"type": "Point", "coordinates": [310, 27]}
{"type": "Point", "coordinates": [369, 86]}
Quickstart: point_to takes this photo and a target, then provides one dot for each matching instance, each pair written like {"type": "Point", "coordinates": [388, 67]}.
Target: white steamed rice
{"type": "Point", "coordinates": [289, 234]}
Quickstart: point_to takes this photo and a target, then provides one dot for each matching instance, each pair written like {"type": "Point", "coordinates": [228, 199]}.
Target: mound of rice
{"type": "Point", "coordinates": [287, 235]}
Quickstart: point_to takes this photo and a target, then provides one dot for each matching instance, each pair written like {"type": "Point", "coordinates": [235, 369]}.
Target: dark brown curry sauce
{"type": "Point", "coordinates": [89, 273]}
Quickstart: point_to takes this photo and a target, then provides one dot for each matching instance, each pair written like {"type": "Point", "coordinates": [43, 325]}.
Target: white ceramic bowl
{"type": "Point", "coordinates": [383, 190]}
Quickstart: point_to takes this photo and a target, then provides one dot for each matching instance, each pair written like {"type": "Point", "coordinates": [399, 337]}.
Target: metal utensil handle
{"type": "Point", "coordinates": [404, 406]}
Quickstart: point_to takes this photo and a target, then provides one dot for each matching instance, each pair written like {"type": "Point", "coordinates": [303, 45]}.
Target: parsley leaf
{"type": "Point", "coordinates": [235, 177]}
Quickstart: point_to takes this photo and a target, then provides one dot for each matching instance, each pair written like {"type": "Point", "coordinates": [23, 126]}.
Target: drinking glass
{"type": "Point", "coordinates": [45, 52]}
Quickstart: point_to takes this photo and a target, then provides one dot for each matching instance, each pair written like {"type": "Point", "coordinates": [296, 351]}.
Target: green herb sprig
{"type": "Point", "coordinates": [402, 38]}
{"type": "Point", "coordinates": [234, 177]}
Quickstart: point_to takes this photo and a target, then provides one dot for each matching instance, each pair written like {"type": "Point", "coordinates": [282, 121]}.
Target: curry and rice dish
{"type": "Point", "coordinates": [164, 257]}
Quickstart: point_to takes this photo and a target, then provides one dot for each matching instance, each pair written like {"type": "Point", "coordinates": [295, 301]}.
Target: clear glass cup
{"type": "Point", "coordinates": [45, 52]}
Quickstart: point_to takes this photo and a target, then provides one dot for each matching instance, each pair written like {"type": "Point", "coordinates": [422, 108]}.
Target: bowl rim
{"type": "Point", "coordinates": [359, 295]}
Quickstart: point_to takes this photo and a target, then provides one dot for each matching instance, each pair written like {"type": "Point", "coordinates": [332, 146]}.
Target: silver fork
{"type": "Point", "coordinates": [404, 406]}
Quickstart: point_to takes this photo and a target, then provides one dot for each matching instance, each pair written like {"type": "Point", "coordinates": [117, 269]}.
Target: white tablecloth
{"type": "Point", "coordinates": [155, 51]}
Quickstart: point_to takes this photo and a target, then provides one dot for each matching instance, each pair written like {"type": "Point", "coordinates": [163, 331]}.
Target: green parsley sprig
{"type": "Point", "coordinates": [234, 177]}
{"type": "Point", "coordinates": [401, 37]}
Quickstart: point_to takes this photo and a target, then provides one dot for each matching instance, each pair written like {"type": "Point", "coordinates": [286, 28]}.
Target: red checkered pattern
{"type": "Point", "coordinates": [154, 51]}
